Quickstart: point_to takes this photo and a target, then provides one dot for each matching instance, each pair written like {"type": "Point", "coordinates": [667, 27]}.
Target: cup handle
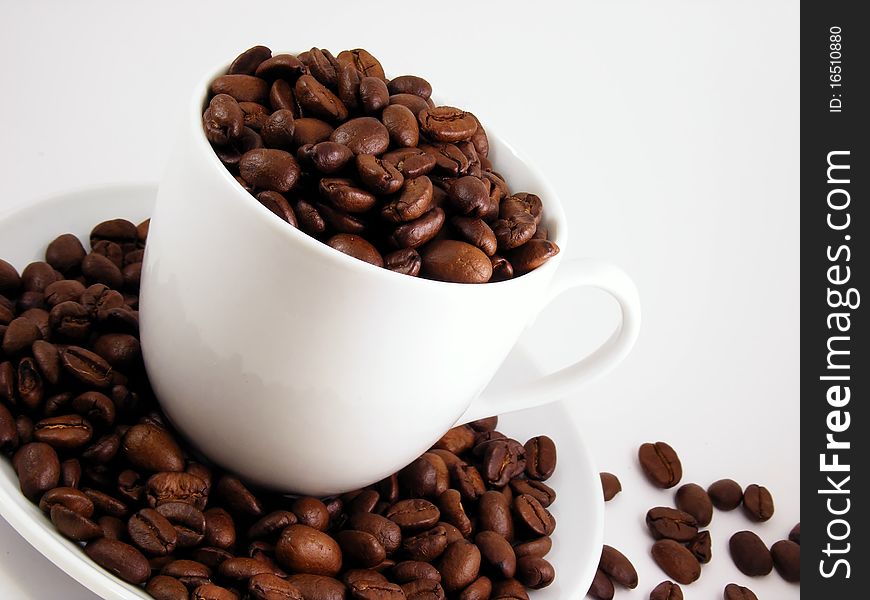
{"type": "Point", "coordinates": [572, 274]}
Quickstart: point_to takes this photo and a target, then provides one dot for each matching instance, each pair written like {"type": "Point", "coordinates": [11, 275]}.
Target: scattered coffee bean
{"type": "Point", "coordinates": [670, 523]}
{"type": "Point", "coordinates": [602, 586]}
{"type": "Point", "coordinates": [693, 499]}
{"type": "Point", "coordinates": [738, 592]}
{"type": "Point", "coordinates": [660, 464]}
{"type": "Point", "coordinates": [787, 560]}
{"type": "Point", "coordinates": [750, 554]}
{"type": "Point", "coordinates": [610, 485]}
{"type": "Point", "coordinates": [701, 546]}
{"type": "Point", "coordinates": [757, 502]}
{"type": "Point", "coordinates": [676, 561]}
{"type": "Point", "coordinates": [726, 494]}
{"type": "Point", "coordinates": [666, 590]}
{"type": "Point", "coordinates": [795, 534]}
{"type": "Point", "coordinates": [616, 566]}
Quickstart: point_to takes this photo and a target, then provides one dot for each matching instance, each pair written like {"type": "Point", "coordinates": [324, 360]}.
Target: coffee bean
{"type": "Point", "coordinates": [244, 568]}
{"type": "Point", "coordinates": [447, 124]}
{"type": "Point", "coordinates": [210, 591]}
{"type": "Point", "coordinates": [73, 525]}
{"type": "Point", "coordinates": [676, 561]}
{"type": "Point", "coordinates": [254, 116]}
{"type": "Point", "coordinates": [10, 280]}
{"type": "Point", "coordinates": [534, 516]}
{"type": "Point", "coordinates": [152, 448]}
{"type": "Point", "coordinates": [413, 570]}
{"type": "Point", "coordinates": [610, 485]}
{"type": "Point", "coordinates": [70, 473]}
{"type": "Point", "coordinates": [223, 120]}
{"type": "Point", "coordinates": [494, 514]}
{"type": "Point", "coordinates": [345, 196]}
{"type": "Point", "coordinates": [310, 131]}
{"type": "Point", "coordinates": [666, 590]}
{"type": "Point", "coordinates": [266, 586]}
{"type": "Point", "coordinates": [152, 532]}
{"type": "Point", "coordinates": [602, 586]}
{"type": "Point", "coordinates": [502, 461]}
{"type": "Point", "coordinates": [660, 464]}
{"type": "Point", "coordinates": [363, 135]}
{"type": "Point", "coordinates": [427, 545]}
{"type": "Point", "coordinates": [20, 335]}
{"type": "Point", "coordinates": [318, 587]}
{"type": "Point", "coordinates": [670, 523]}
{"type": "Point", "coordinates": [497, 553]}
{"type": "Point", "coordinates": [7, 382]}
{"type": "Point", "coordinates": [357, 247]}
{"type": "Point", "coordinates": [414, 514]}
{"type": "Point", "coordinates": [406, 261]}
{"type": "Point", "coordinates": [508, 589]}
{"type": "Point", "coordinates": [459, 565]}
{"type": "Point", "coordinates": [402, 126]}
{"type": "Point", "coordinates": [279, 129]}
{"type": "Point", "coordinates": [376, 590]}
{"type": "Point", "coordinates": [87, 367]}
{"type": "Point", "coordinates": [280, 66]}
{"type": "Point", "coordinates": [617, 567]}
{"type": "Point", "coordinates": [531, 255]}
{"type": "Point", "coordinates": [247, 62]}
{"type": "Point", "coordinates": [189, 572]}
{"type": "Point", "coordinates": [386, 532]}
{"type": "Point", "coordinates": [750, 554]}
{"type": "Point", "coordinates": [534, 572]}
{"type": "Point", "coordinates": [795, 534]}
{"type": "Point", "coordinates": [65, 253]}
{"type": "Point", "coordinates": [414, 234]}
{"type": "Point", "coordinates": [424, 477]}
{"type": "Point", "coordinates": [31, 388]}
{"type": "Point", "coordinates": [410, 84]}
{"type": "Point", "coordinates": [373, 94]}
{"type": "Point", "coordinates": [787, 560]}
{"type": "Point", "coordinates": [539, 547]}
{"type": "Point", "coordinates": [540, 458]}
{"type": "Point", "coordinates": [38, 469]}
{"type": "Point", "coordinates": [726, 494]}
{"type": "Point", "coordinates": [244, 88]}
{"type": "Point", "coordinates": [303, 549]}
{"type": "Point", "coordinates": [758, 503]}
{"type": "Point", "coordinates": [738, 592]}
{"type": "Point", "coordinates": [701, 547]}
{"type": "Point", "coordinates": [411, 162]}
{"type": "Point", "coordinates": [693, 499]}
{"type": "Point", "coordinates": [120, 559]}
{"type": "Point", "coordinates": [188, 521]}
{"type": "Point", "coordinates": [269, 169]}
{"type": "Point", "coordinates": [220, 529]}
{"type": "Point", "coordinates": [104, 503]}
{"type": "Point", "coordinates": [175, 487]}
{"type": "Point", "coordinates": [413, 202]}
{"type": "Point", "coordinates": [363, 61]}
{"type": "Point", "coordinates": [162, 587]}
{"type": "Point", "coordinates": [66, 290]}
{"type": "Point", "coordinates": [63, 433]}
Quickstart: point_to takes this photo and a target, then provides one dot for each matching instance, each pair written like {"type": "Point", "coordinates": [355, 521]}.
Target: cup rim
{"type": "Point", "coordinates": [553, 206]}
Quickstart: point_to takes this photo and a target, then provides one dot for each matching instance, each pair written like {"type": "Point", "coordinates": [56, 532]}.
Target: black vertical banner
{"type": "Point", "coordinates": [835, 363]}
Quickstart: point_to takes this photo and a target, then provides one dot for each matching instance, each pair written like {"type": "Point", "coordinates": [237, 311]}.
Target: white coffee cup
{"type": "Point", "coordinates": [309, 371]}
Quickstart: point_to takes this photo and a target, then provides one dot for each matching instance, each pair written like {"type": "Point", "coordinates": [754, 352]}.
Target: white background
{"type": "Point", "coordinates": [670, 129]}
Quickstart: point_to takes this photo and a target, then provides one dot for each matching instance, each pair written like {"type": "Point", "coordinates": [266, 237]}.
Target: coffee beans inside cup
{"type": "Point", "coordinates": [372, 167]}
{"type": "Point", "coordinates": [469, 519]}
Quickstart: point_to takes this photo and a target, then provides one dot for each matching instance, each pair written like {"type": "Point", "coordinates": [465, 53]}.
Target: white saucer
{"type": "Point", "coordinates": [579, 508]}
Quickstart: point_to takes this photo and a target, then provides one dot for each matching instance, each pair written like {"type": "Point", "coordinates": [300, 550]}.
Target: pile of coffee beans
{"type": "Point", "coordinates": [682, 547]}
{"type": "Point", "coordinates": [371, 167]}
{"type": "Point", "coordinates": [469, 519]}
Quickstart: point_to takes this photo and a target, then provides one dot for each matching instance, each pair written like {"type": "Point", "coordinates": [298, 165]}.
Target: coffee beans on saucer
{"type": "Point", "coordinates": [468, 519]}
{"type": "Point", "coordinates": [372, 167]}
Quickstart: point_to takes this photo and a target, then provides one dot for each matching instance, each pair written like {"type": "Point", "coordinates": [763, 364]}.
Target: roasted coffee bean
{"type": "Point", "coordinates": [269, 526]}
{"type": "Point", "coordinates": [666, 590]}
{"type": "Point", "coordinates": [24, 427]}
{"type": "Point", "coordinates": [152, 448]}
{"type": "Point", "coordinates": [106, 504]}
{"type": "Point", "coordinates": [375, 590]}
{"type": "Point", "coordinates": [278, 130]}
{"type": "Point", "coordinates": [152, 532]}
{"type": "Point", "coordinates": [120, 559]}
{"type": "Point", "coordinates": [457, 440]}
{"type": "Point", "coordinates": [531, 255]}
{"type": "Point", "coordinates": [410, 84]}
{"type": "Point", "coordinates": [311, 512]}
{"type": "Point", "coordinates": [70, 473]}
{"type": "Point", "coordinates": [38, 469]}
{"type": "Point", "coordinates": [610, 485]}
{"type": "Point", "coordinates": [447, 124]}
{"type": "Point", "coordinates": [37, 276]}
{"type": "Point", "coordinates": [210, 591]}
{"type": "Point", "coordinates": [104, 450]}
{"type": "Point", "coordinates": [247, 62]}
{"type": "Point", "coordinates": [452, 511]}
{"type": "Point", "coordinates": [310, 131]}
{"type": "Point", "coordinates": [7, 382]}
{"type": "Point", "coordinates": [513, 232]}
{"type": "Point", "coordinates": [617, 567]}
{"type": "Point", "coordinates": [73, 525]}
{"type": "Point", "coordinates": [670, 523]}
{"type": "Point", "coordinates": [189, 572]}
{"type": "Point", "coordinates": [459, 565]}
{"type": "Point", "coordinates": [534, 572]}
{"type": "Point", "coordinates": [65, 253]}
{"type": "Point", "coordinates": [385, 531]}
{"type": "Point", "coordinates": [540, 458]}
{"type": "Point", "coordinates": [701, 547]}
{"type": "Point", "coordinates": [726, 494]}
{"type": "Point", "coordinates": [412, 570]}
{"type": "Point", "coordinates": [426, 546]}
{"type": "Point", "coordinates": [454, 261]}
{"type": "Point", "coordinates": [795, 534]}
{"type": "Point", "coordinates": [676, 561]}
{"type": "Point", "coordinates": [316, 99]}
{"type": "Point", "coordinates": [280, 66]}
{"type": "Point", "coordinates": [373, 94]}
{"type": "Point", "coordinates": [502, 460]}
{"type": "Point", "coordinates": [87, 367]}
{"type": "Point", "coordinates": [232, 153]}
{"type": "Point", "coordinates": [750, 554]}
{"type": "Point", "coordinates": [188, 521]}
{"type": "Point", "coordinates": [8, 432]}
{"type": "Point", "coordinates": [220, 529]}
{"type": "Point", "coordinates": [278, 204]}
{"type": "Point", "coordinates": [70, 320]}
{"type": "Point", "coordinates": [602, 586]}
{"type": "Point", "coordinates": [509, 589]}
{"type": "Point", "coordinates": [660, 464]}
{"type": "Point", "coordinates": [497, 553]}
{"type": "Point", "coordinates": [377, 175]}
{"type": "Point", "coordinates": [402, 126]}
{"type": "Point", "coordinates": [175, 487]}
{"type": "Point", "coordinates": [303, 549]}
{"type": "Point", "coordinates": [363, 61]}
{"type": "Point", "coordinates": [411, 162]}
{"type": "Point", "coordinates": [47, 359]}
{"type": "Point", "coordinates": [10, 280]}
{"type": "Point", "coordinates": [534, 516]}
{"type": "Point", "coordinates": [693, 499]}
{"type": "Point", "coordinates": [757, 502]}
{"type": "Point", "coordinates": [318, 587]}
{"type": "Point", "coordinates": [239, 567]}
{"type": "Point", "coordinates": [98, 269]}
{"type": "Point", "coordinates": [131, 486]}
{"type": "Point", "coordinates": [162, 587]}
{"type": "Point", "coordinates": [20, 335]}
{"type": "Point", "coordinates": [539, 547]}
{"type": "Point", "coordinates": [65, 433]}
{"type": "Point", "coordinates": [476, 232]}
{"type": "Point", "coordinates": [360, 548]}
{"type": "Point", "coordinates": [345, 196]}
{"type": "Point", "coordinates": [469, 196]}
{"type": "Point", "coordinates": [266, 586]}
{"type": "Point", "coordinates": [425, 477]}
{"type": "Point", "coordinates": [413, 202]}
{"type": "Point", "coordinates": [31, 388]}
{"type": "Point", "coordinates": [363, 135]}
{"type": "Point", "coordinates": [66, 290]}
{"type": "Point", "coordinates": [414, 514]}
{"type": "Point", "coordinates": [244, 88]}
{"type": "Point", "coordinates": [321, 64]}
{"type": "Point", "coordinates": [494, 514]}
{"type": "Point", "coordinates": [738, 592]}
{"type": "Point", "coordinates": [255, 116]}
{"type": "Point", "coordinates": [269, 169]}
{"type": "Point", "coordinates": [223, 120]}
{"type": "Point", "coordinates": [466, 478]}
